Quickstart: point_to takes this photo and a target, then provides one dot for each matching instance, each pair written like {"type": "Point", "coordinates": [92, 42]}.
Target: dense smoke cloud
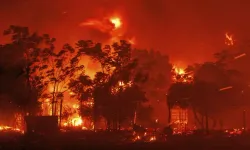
{"type": "Point", "coordinates": [189, 31]}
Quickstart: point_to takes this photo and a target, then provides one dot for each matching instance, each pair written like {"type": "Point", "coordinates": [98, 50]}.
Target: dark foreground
{"type": "Point", "coordinates": [80, 141]}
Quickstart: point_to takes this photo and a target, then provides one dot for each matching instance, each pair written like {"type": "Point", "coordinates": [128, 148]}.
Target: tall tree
{"type": "Point", "coordinates": [155, 72]}
{"type": "Point", "coordinates": [116, 79]}
{"type": "Point", "coordinates": [179, 94]}
{"type": "Point", "coordinates": [26, 48]}
{"type": "Point", "coordinates": [63, 67]}
{"type": "Point", "coordinates": [82, 90]}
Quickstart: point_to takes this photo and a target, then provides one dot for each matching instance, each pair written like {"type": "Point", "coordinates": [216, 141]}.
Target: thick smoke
{"type": "Point", "coordinates": [189, 31]}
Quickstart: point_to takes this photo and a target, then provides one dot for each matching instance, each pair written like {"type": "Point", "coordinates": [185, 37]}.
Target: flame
{"type": "Point", "coordinates": [229, 40]}
{"type": "Point", "coordinates": [71, 107]}
{"type": "Point", "coordinates": [121, 83]}
{"type": "Point", "coordinates": [8, 128]}
{"type": "Point", "coordinates": [110, 25]}
{"type": "Point", "coordinates": [103, 26]}
{"type": "Point", "coordinates": [137, 138]}
{"type": "Point", "coordinates": [179, 71]}
{"type": "Point", "coordinates": [116, 21]}
{"type": "Point", "coordinates": [180, 75]}
{"type": "Point", "coordinates": [77, 121]}
{"type": "Point", "coordinates": [153, 138]}
{"type": "Point", "coordinates": [75, 106]}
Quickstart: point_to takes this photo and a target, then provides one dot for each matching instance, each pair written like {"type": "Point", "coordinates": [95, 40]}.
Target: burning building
{"type": "Point", "coordinates": [179, 118]}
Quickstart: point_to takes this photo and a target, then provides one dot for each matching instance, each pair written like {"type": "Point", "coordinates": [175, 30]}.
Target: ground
{"type": "Point", "coordinates": [79, 141]}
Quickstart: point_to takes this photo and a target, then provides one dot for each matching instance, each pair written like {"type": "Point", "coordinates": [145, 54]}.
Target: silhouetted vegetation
{"type": "Point", "coordinates": [31, 68]}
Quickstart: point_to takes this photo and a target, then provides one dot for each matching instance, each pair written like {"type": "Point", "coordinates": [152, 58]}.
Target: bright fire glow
{"type": "Point", "coordinates": [179, 71]}
{"type": "Point", "coordinates": [109, 25]}
{"type": "Point", "coordinates": [77, 121]}
{"type": "Point", "coordinates": [70, 111]}
{"type": "Point", "coordinates": [121, 83]}
{"type": "Point", "coordinates": [153, 138]}
{"type": "Point", "coordinates": [229, 40]}
{"type": "Point", "coordinates": [179, 75]}
{"type": "Point", "coordinates": [8, 128]}
{"type": "Point", "coordinates": [116, 22]}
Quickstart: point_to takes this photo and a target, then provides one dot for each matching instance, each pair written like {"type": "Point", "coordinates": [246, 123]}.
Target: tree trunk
{"type": "Point", "coordinates": [81, 108]}
{"type": "Point", "coordinates": [61, 104]}
{"type": "Point", "coordinates": [197, 118]}
{"type": "Point", "coordinates": [55, 108]}
{"type": "Point", "coordinates": [29, 106]}
{"type": "Point", "coordinates": [53, 100]}
{"type": "Point", "coordinates": [119, 119]}
{"type": "Point", "coordinates": [94, 115]}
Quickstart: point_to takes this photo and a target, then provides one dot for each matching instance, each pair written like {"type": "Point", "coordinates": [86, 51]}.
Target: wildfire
{"type": "Point", "coordinates": [116, 22]}
{"type": "Point", "coordinates": [109, 25]}
{"type": "Point", "coordinates": [77, 121]}
{"type": "Point", "coordinates": [8, 128]}
{"type": "Point", "coordinates": [229, 40]}
{"type": "Point", "coordinates": [179, 71]}
{"type": "Point", "coordinates": [137, 138]}
{"type": "Point", "coordinates": [70, 111]}
{"type": "Point", "coordinates": [103, 26]}
{"type": "Point", "coordinates": [180, 75]}
{"type": "Point", "coordinates": [121, 85]}
{"type": "Point", "coordinates": [69, 108]}
{"type": "Point", "coordinates": [153, 138]}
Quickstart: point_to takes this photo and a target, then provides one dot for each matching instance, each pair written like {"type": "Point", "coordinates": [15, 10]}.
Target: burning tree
{"type": "Point", "coordinates": [115, 82]}
{"type": "Point", "coordinates": [82, 91]}
{"type": "Point", "coordinates": [207, 91]}
{"type": "Point", "coordinates": [62, 68]}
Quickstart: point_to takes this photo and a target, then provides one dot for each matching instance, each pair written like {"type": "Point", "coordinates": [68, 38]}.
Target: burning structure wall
{"type": "Point", "coordinates": [179, 118]}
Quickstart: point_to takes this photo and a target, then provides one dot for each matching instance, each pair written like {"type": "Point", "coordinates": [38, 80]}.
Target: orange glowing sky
{"type": "Point", "coordinates": [189, 31]}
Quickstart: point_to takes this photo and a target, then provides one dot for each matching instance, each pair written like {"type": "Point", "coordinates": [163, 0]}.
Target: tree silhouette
{"type": "Point", "coordinates": [63, 67]}
{"type": "Point", "coordinates": [82, 91]}
{"type": "Point", "coordinates": [26, 48]}
{"type": "Point", "coordinates": [179, 94]}
{"type": "Point", "coordinates": [208, 98]}
{"type": "Point", "coordinates": [154, 73]}
{"type": "Point", "coordinates": [115, 82]}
